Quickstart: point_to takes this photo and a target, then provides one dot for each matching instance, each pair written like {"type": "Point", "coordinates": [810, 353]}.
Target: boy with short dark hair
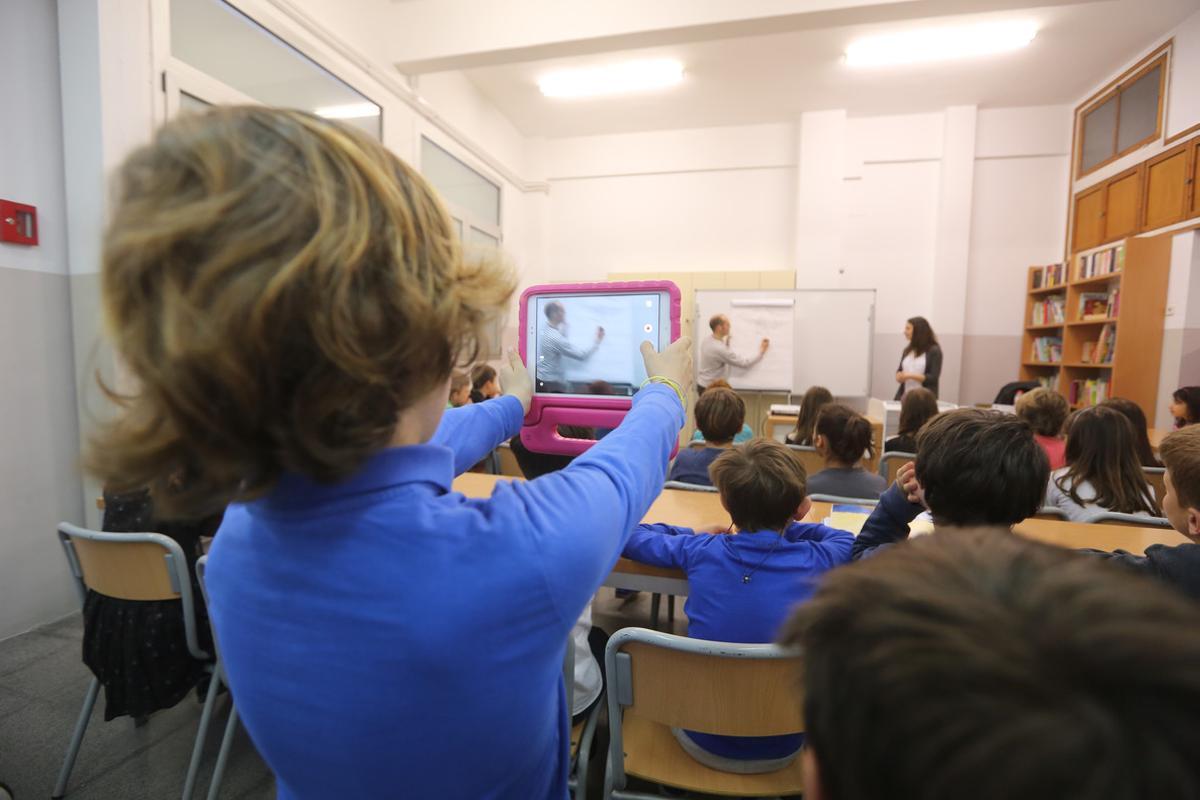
{"type": "Point", "coordinates": [744, 581]}
{"type": "Point", "coordinates": [977, 665]}
{"type": "Point", "coordinates": [974, 468]}
{"type": "Point", "coordinates": [720, 414]}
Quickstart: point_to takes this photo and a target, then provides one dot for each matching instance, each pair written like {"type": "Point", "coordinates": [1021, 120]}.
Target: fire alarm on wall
{"type": "Point", "coordinates": [18, 223]}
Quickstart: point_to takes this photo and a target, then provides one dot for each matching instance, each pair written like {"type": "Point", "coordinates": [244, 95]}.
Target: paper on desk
{"type": "Point", "coordinates": [851, 518]}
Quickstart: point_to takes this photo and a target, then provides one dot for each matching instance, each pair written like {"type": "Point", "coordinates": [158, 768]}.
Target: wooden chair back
{"type": "Point", "coordinates": [809, 457]}
{"type": "Point", "coordinates": [126, 570]}
{"type": "Point", "coordinates": [890, 464]}
{"type": "Point", "coordinates": [1154, 477]}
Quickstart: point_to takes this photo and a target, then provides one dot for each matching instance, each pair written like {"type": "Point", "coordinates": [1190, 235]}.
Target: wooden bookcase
{"type": "Point", "coordinates": [1133, 372]}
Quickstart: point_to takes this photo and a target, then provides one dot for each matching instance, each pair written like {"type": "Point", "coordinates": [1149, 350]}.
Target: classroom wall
{"type": "Point", "coordinates": [39, 484]}
{"type": "Point", "coordinates": [1181, 332]}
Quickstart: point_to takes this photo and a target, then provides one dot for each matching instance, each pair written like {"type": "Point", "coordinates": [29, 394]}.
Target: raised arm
{"type": "Point", "coordinates": [830, 546]}
{"type": "Point", "coordinates": [661, 545]}
{"type": "Point", "coordinates": [729, 357]}
{"type": "Point", "coordinates": [472, 431]}
{"type": "Point", "coordinates": [887, 524]}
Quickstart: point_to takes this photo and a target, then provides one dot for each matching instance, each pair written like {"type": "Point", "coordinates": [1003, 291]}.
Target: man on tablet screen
{"type": "Point", "coordinates": [716, 358]}
{"type": "Point", "coordinates": [553, 346]}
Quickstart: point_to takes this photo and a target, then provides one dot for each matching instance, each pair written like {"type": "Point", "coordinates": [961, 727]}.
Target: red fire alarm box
{"type": "Point", "coordinates": [18, 223]}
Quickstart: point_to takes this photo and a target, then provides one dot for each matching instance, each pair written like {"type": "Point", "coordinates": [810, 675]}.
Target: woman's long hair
{"type": "Point", "coordinates": [922, 337]}
{"type": "Point", "coordinates": [816, 398]}
{"type": "Point", "coordinates": [1141, 436]}
{"type": "Point", "coordinates": [918, 407]}
{"type": "Point", "coordinates": [1100, 450]}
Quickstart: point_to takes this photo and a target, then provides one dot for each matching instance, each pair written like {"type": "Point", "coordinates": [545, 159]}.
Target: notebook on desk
{"type": "Point", "coordinates": [847, 517]}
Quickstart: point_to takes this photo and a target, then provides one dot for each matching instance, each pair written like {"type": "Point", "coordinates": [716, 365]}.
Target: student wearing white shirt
{"type": "Point", "coordinates": [716, 357]}
{"type": "Point", "coordinates": [553, 346]}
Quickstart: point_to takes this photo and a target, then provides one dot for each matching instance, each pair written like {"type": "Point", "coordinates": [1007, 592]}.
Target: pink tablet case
{"type": "Point", "coordinates": [547, 412]}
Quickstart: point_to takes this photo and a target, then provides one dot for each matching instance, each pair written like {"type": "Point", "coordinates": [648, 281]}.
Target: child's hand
{"type": "Point", "coordinates": [515, 380]}
{"type": "Point", "coordinates": [907, 478]}
{"type": "Point", "coordinates": [675, 362]}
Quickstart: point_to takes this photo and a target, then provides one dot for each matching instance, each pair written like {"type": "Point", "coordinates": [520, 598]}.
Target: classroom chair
{"type": "Point", "coordinates": [218, 677]}
{"type": "Point", "coordinates": [1154, 477]}
{"type": "Point", "coordinates": [809, 457]}
{"type": "Point", "coordinates": [689, 487]}
{"type": "Point", "coordinates": [854, 501]}
{"type": "Point", "coordinates": [583, 734]}
{"type": "Point", "coordinates": [1050, 512]}
{"type": "Point", "coordinates": [1114, 518]}
{"type": "Point", "coordinates": [890, 464]}
{"type": "Point", "coordinates": [130, 566]}
{"type": "Point", "coordinates": [658, 680]}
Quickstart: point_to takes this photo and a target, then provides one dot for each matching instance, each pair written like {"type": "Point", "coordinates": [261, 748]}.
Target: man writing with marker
{"type": "Point", "coordinates": [716, 357]}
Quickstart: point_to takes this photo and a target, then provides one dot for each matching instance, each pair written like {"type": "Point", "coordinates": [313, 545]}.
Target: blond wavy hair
{"type": "Point", "coordinates": [282, 288]}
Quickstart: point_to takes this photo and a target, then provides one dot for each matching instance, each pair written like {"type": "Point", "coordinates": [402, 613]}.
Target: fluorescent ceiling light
{"type": "Point", "coordinates": [632, 76]}
{"type": "Point", "coordinates": [350, 111]}
{"type": "Point", "coordinates": [941, 44]}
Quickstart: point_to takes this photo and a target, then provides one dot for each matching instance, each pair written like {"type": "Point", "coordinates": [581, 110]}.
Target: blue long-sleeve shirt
{"type": "Point", "coordinates": [722, 607]}
{"type": "Point", "coordinates": [382, 632]}
{"type": "Point", "coordinates": [888, 523]}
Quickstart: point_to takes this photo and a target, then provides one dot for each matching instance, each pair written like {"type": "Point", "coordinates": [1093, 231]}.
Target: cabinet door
{"type": "Point", "coordinates": [1195, 179]}
{"type": "Point", "coordinates": [1166, 200]}
{"type": "Point", "coordinates": [1089, 218]}
{"type": "Point", "coordinates": [1123, 204]}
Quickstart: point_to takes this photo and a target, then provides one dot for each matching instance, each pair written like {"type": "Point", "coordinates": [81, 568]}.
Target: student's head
{"type": "Point", "coordinates": [1185, 405]}
{"type": "Point", "coordinates": [1141, 436]}
{"type": "Point", "coordinates": [1100, 451]}
{"type": "Point", "coordinates": [720, 414]}
{"type": "Point", "coordinates": [483, 380]}
{"type": "Point", "coordinates": [555, 313]}
{"type": "Point", "coordinates": [762, 485]}
{"type": "Point", "coordinates": [600, 387]}
{"type": "Point", "coordinates": [843, 436]}
{"type": "Point", "coordinates": [918, 407]}
{"type": "Point", "coordinates": [288, 296]}
{"type": "Point", "coordinates": [1043, 410]}
{"type": "Point", "coordinates": [980, 467]}
{"type": "Point", "coordinates": [720, 383]}
{"type": "Point", "coordinates": [719, 325]}
{"type": "Point", "coordinates": [1180, 451]}
{"type": "Point", "coordinates": [920, 336]}
{"type": "Point", "coordinates": [976, 664]}
{"type": "Point", "coordinates": [816, 398]}
{"type": "Point", "coordinates": [460, 389]}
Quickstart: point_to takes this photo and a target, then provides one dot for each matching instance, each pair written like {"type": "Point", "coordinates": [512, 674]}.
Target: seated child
{"type": "Point", "coordinates": [974, 468]}
{"type": "Point", "coordinates": [484, 385]}
{"type": "Point", "coordinates": [744, 435]}
{"type": "Point", "coordinates": [1045, 411]}
{"type": "Point", "coordinates": [1102, 472]}
{"type": "Point", "coordinates": [460, 390]}
{"type": "Point", "coordinates": [1141, 435]}
{"type": "Point", "coordinates": [816, 398]}
{"type": "Point", "coordinates": [973, 664]}
{"type": "Point", "coordinates": [918, 407]}
{"type": "Point", "coordinates": [843, 437]}
{"type": "Point", "coordinates": [743, 583]}
{"type": "Point", "coordinates": [1185, 406]}
{"type": "Point", "coordinates": [719, 416]}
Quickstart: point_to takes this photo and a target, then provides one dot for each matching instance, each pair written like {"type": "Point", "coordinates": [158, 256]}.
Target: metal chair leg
{"type": "Point", "coordinates": [189, 783]}
{"type": "Point", "coordinates": [223, 756]}
{"type": "Point", "coordinates": [85, 714]}
{"type": "Point", "coordinates": [670, 613]}
{"type": "Point", "coordinates": [655, 604]}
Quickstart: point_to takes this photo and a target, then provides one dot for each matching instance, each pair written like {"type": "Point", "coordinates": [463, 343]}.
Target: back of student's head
{"type": "Point", "coordinates": [1141, 435]}
{"type": "Point", "coordinates": [282, 288]}
{"type": "Point", "coordinates": [720, 383]}
{"type": "Point", "coordinates": [980, 467]}
{"type": "Point", "coordinates": [1189, 398]}
{"type": "Point", "coordinates": [1100, 450]}
{"type": "Point", "coordinates": [1044, 410]}
{"type": "Point", "coordinates": [977, 664]}
{"type": "Point", "coordinates": [720, 414]}
{"type": "Point", "coordinates": [761, 484]}
{"type": "Point", "coordinates": [918, 407]}
{"type": "Point", "coordinates": [845, 433]}
{"type": "Point", "coordinates": [1180, 451]}
{"type": "Point", "coordinates": [816, 398]}
{"type": "Point", "coordinates": [459, 381]}
{"type": "Point", "coordinates": [482, 375]}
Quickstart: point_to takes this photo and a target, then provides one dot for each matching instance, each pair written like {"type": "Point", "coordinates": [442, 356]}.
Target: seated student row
{"type": "Point", "coordinates": [338, 282]}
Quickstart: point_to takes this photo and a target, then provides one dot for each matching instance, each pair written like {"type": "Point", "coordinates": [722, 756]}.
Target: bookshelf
{"type": "Point", "coordinates": [1075, 315]}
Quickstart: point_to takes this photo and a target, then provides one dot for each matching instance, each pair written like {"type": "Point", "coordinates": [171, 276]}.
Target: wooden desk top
{"type": "Point", "coordinates": [700, 509]}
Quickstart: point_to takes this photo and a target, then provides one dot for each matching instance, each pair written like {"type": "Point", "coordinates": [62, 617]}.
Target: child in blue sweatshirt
{"type": "Point", "coordinates": [745, 582]}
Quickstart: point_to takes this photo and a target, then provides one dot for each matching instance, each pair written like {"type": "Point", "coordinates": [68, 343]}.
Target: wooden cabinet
{"type": "Point", "coordinates": [1123, 204]}
{"type": "Point", "coordinates": [1089, 218]}
{"type": "Point", "coordinates": [1195, 212]}
{"type": "Point", "coordinates": [1167, 188]}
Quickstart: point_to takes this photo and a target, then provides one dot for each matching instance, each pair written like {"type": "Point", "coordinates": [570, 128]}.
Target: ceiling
{"type": "Point", "coordinates": [776, 76]}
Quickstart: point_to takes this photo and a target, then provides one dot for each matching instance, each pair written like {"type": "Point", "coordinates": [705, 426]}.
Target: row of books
{"type": "Point", "coordinates": [1088, 393]}
{"type": "Point", "coordinates": [1099, 305]}
{"type": "Point", "coordinates": [1103, 349]}
{"type": "Point", "coordinates": [1102, 262]}
{"type": "Point", "coordinates": [1049, 381]}
{"type": "Point", "coordinates": [1049, 311]}
{"type": "Point", "coordinates": [1046, 349]}
{"type": "Point", "coordinates": [1050, 275]}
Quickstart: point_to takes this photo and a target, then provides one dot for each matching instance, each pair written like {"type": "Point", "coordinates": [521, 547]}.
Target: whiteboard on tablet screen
{"type": "Point", "coordinates": [818, 337]}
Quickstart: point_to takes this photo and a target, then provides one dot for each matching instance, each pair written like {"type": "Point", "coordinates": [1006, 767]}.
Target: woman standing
{"type": "Point", "coordinates": [921, 361]}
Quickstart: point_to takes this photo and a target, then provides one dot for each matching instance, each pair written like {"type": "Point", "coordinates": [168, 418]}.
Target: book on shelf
{"type": "Point", "coordinates": [1106, 345]}
{"type": "Point", "coordinates": [1046, 349]}
{"type": "Point", "coordinates": [1102, 262]}
{"type": "Point", "coordinates": [1049, 276]}
{"type": "Point", "coordinates": [1089, 392]}
{"type": "Point", "coordinates": [1114, 303]}
{"type": "Point", "coordinates": [1050, 311]}
{"type": "Point", "coordinates": [1093, 305]}
{"type": "Point", "coordinates": [1049, 382]}
{"type": "Point", "coordinates": [1089, 350]}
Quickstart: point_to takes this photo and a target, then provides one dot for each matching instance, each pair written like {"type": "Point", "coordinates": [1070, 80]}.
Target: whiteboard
{"type": "Point", "coordinates": [823, 338]}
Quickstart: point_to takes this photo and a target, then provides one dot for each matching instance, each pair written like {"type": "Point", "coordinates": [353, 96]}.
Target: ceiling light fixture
{"type": "Point", "coordinates": [941, 44]}
{"type": "Point", "coordinates": [632, 76]}
{"type": "Point", "coordinates": [349, 111]}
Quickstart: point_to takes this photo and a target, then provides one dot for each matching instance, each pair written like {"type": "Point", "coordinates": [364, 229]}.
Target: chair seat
{"type": "Point", "coordinates": [652, 753]}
